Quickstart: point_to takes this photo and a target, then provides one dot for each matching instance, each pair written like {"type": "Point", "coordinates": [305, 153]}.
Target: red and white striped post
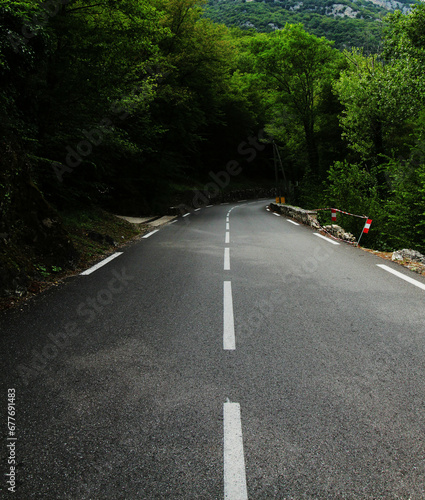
{"type": "Point", "coordinates": [333, 214]}
{"type": "Point", "coordinates": [365, 229]}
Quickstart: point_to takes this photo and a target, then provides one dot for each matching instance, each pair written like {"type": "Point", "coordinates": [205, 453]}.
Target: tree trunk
{"type": "Point", "coordinates": [312, 150]}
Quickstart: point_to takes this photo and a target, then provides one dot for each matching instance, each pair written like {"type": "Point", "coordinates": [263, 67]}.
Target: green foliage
{"type": "Point", "coordinates": [404, 221]}
{"type": "Point", "coordinates": [353, 188]}
{"type": "Point", "coordinates": [379, 101]}
{"type": "Point", "coordinates": [384, 126]}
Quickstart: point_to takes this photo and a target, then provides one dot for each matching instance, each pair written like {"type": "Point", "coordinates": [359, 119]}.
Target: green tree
{"type": "Point", "coordinates": [379, 102]}
{"type": "Point", "coordinates": [299, 67]}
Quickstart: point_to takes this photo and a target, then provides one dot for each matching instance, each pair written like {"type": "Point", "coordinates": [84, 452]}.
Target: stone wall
{"type": "Point", "coordinates": [307, 217]}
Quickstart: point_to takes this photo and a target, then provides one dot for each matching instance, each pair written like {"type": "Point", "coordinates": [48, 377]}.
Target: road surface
{"type": "Point", "coordinates": [231, 354]}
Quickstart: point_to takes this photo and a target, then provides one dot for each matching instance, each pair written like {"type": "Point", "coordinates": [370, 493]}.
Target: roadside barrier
{"type": "Point", "coordinates": [367, 226]}
{"type": "Point", "coordinates": [334, 210]}
{"type": "Point", "coordinates": [333, 218]}
{"type": "Point", "coordinates": [365, 229]}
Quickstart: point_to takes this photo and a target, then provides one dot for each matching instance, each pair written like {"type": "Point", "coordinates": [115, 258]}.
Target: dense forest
{"type": "Point", "coordinates": [122, 104]}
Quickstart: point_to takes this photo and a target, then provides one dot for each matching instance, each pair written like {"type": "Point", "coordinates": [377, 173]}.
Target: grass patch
{"type": "Point", "coordinates": [80, 224]}
{"type": "Point", "coordinates": [39, 272]}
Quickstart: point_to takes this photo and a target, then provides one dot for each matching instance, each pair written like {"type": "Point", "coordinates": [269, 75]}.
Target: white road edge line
{"type": "Point", "coordinates": [185, 215]}
{"type": "Point", "coordinates": [227, 259]}
{"type": "Point", "coordinates": [227, 239]}
{"type": "Point", "coordinates": [234, 460]}
{"type": "Point", "coordinates": [402, 276]}
{"type": "Point", "coordinates": [150, 234]}
{"type": "Point", "coordinates": [229, 342]}
{"type": "Point", "coordinates": [197, 209]}
{"type": "Point", "coordinates": [326, 239]}
{"type": "Point", "coordinates": [101, 263]}
{"type": "Point", "coordinates": [172, 222]}
{"type": "Point", "coordinates": [208, 206]}
{"type": "Point", "coordinates": [292, 222]}
{"type": "Point", "coordinates": [274, 213]}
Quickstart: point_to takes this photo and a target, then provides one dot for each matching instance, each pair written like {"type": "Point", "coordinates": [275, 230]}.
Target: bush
{"type": "Point", "coordinates": [354, 189]}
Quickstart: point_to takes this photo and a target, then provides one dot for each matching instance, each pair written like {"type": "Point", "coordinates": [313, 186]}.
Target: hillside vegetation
{"type": "Point", "coordinates": [348, 23]}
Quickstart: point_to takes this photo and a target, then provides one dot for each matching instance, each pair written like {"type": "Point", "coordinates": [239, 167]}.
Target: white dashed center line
{"type": "Point", "coordinates": [227, 259]}
{"type": "Point", "coordinates": [234, 461]}
{"type": "Point", "coordinates": [229, 342]}
{"type": "Point", "coordinates": [227, 239]}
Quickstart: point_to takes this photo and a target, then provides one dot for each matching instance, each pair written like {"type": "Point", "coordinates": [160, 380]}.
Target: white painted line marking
{"type": "Point", "coordinates": [227, 219]}
{"type": "Point", "coordinates": [268, 209]}
{"type": "Point", "coordinates": [227, 240]}
{"type": "Point", "coordinates": [234, 461]}
{"type": "Point", "coordinates": [227, 226]}
{"type": "Point", "coordinates": [274, 213]}
{"type": "Point", "coordinates": [197, 209]}
{"type": "Point", "coordinates": [242, 201]}
{"type": "Point", "coordinates": [326, 239]}
{"type": "Point", "coordinates": [101, 263]}
{"type": "Point", "coordinates": [225, 203]}
{"type": "Point", "coordinates": [402, 276]}
{"type": "Point", "coordinates": [172, 222]}
{"type": "Point", "coordinates": [227, 259]}
{"type": "Point", "coordinates": [229, 342]}
{"type": "Point", "coordinates": [150, 234]}
{"type": "Point", "coordinates": [292, 222]}
{"type": "Point", "coordinates": [185, 215]}
{"type": "Point", "coordinates": [208, 206]}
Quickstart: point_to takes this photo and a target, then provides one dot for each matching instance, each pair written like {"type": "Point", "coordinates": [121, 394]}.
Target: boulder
{"type": "Point", "coordinates": [407, 254]}
{"type": "Point", "coordinates": [339, 232]}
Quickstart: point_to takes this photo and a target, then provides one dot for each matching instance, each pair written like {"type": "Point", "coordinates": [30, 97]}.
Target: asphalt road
{"type": "Point", "coordinates": [262, 363]}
